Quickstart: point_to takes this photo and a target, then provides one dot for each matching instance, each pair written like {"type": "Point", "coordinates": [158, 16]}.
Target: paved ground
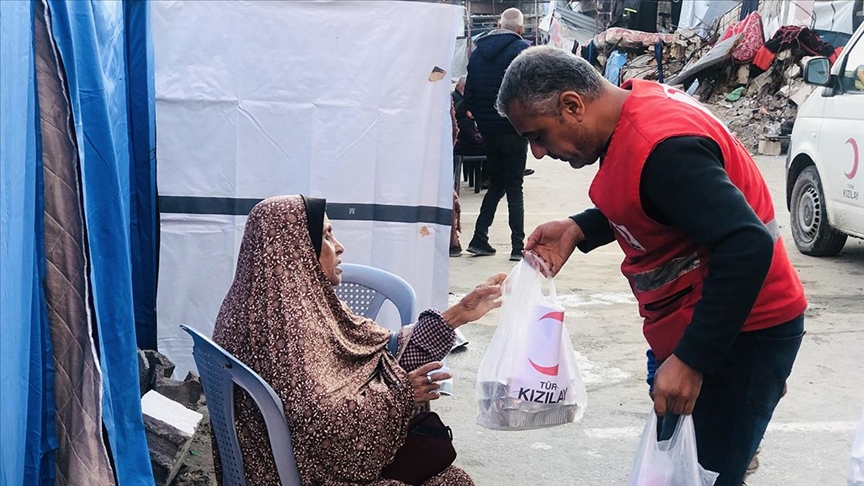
{"type": "Point", "coordinates": [811, 434]}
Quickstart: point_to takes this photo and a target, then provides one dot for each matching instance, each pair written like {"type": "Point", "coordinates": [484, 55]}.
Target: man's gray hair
{"type": "Point", "coordinates": [512, 19]}
{"type": "Point", "coordinates": [538, 76]}
{"type": "Point", "coordinates": [462, 79]}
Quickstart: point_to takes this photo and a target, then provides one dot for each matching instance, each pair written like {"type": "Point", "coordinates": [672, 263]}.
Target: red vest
{"type": "Point", "coordinates": [665, 268]}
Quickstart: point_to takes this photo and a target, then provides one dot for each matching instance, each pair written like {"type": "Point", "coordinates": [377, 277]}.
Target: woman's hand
{"type": "Point", "coordinates": [425, 385]}
{"type": "Point", "coordinates": [477, 303]}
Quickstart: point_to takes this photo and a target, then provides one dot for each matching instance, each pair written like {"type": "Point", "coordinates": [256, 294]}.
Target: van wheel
{"type": "Point", "coordinates": [810, 229]}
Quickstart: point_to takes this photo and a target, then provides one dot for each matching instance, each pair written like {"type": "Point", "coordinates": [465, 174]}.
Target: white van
{"type": "Point", "coordinates": [824, 182]}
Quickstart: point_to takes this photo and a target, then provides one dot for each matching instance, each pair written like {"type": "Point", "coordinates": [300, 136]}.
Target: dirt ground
{"type": "Point", "coordinates": [197, 469]}
{"type": "Point", "coordinates": [807, 443]}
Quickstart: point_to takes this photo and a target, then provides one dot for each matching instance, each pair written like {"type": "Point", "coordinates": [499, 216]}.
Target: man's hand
{"type": "Point", "coordinates": [477, 303]}
{"type": "Point", "coordinates": [426, 387]}
{"type": "Point", "coordinates": [554, 242]}
{"type": "Point", "coordinates": [676, 387]}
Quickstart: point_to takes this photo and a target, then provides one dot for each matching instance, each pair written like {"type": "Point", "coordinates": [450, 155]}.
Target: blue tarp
{"type": "Point", "coordinates": [614, 64]}
{"type": "Point", "coordinates": [26, 401]}
{"type": "Point", "coordinates": [142, 178]}
{"type": "Point", "coordinates": [107, 57]}
{"type": "Point", "coordinates": [91, 38]}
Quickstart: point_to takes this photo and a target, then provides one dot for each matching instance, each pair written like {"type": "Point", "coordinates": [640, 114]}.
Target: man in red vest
{"type": "Point", "coordinates": [722, 305]}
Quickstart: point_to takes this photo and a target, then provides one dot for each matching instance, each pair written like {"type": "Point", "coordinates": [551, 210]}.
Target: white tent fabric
{"type": "Point", "coordinates": [332, 99]}
{"type": "Point", "coordinates": [835, 16]}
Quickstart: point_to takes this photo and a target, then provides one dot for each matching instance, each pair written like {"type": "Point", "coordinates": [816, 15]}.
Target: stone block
{"type": "Point", "coordinates": [800, 94]}
{"type": "Point", "coordinates": [759, 85]}
{"type": "Point", "coordinates": [743, 74]}
{"type": "Point", "coordinates": [187, 392]}
{"type": "Point", "coordinates": [160, 363]}
{"type": "Point", "coordinates": [145, 373]}
{"type": "Point", "coordinates": [769, 146]}
{"type": "Point", "coordinates": [792, 72]}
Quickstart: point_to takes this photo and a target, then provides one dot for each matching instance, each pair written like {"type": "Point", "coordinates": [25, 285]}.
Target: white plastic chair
{"type": "Point", "coordinates": [365, 289]}
{"type": "Point", "coordinates": [220, 371]}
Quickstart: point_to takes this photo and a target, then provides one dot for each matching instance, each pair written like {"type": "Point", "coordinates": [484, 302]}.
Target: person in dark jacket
{"type": "Point", "coordinates": [469, 142]}
{"type": "Point", "coordinates": [506, 150]}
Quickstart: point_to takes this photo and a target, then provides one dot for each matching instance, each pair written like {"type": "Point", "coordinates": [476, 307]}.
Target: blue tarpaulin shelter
{"type": "Point", "coordinates": [79, 234]}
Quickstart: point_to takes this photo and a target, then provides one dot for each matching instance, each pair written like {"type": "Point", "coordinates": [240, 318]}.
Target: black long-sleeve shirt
{"type": "Point", "coordinates": [684, 185]}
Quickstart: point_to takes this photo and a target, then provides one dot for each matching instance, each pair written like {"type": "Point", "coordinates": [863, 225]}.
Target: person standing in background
{"type": "Point", "coordinates": [506, 150]}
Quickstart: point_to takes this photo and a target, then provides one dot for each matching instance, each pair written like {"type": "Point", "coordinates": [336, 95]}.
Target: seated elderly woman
{"type": "Point", "coordinates": [347, 399]}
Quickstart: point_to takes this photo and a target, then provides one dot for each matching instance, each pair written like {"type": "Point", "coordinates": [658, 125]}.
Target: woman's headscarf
{"type": "Point", "coordinates": [315, 210]}
{"type": "Point", "coordinates": [346, 400]}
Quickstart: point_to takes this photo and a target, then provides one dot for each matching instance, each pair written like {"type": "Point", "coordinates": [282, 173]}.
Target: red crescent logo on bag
{"type": "Point", "coordinates": [548, 370]}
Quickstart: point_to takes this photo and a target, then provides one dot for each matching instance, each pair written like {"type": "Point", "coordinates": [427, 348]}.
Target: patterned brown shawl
{"type": "Point", "coordinates": [346, 400]}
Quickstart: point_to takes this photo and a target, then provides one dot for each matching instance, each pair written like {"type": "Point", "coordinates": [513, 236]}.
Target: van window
{"type": "Point", "coordinates": [853, 72]}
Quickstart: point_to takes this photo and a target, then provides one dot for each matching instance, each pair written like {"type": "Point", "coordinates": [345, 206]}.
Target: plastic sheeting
{"type": "Point", "coordinates": [835, 16]}
{"type": "Point", "coordinates": [614, 64]}
{"type": "Point", "coordinates": [701, 14]}
{"type": "Point", "coordinates": [144, 223]}
{"type": "Point", "coordinates": [26, 401]}
{"type": "Point", "coordinates": [268, 98]}
{"type": "Point", "coordinates": [91, 39]}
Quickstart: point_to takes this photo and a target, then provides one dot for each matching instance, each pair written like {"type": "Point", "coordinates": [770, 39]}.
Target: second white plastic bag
{"type": "Point", "coordinates": [528, 378]}
{"type": "Point", "coordinates": [856, 462]}
{"type": "Point", "coordinates": [673, 462]}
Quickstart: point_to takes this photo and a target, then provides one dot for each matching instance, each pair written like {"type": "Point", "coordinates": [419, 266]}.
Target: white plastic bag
{"type": "Point", "coordinates": [528, 378]}
{"type": "Point", "coordinates": [856, 462]}
{"type": "Point", "coordinates": [672, 462]}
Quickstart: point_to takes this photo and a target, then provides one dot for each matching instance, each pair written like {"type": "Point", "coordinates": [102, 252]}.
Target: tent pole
{"type": "Point", "coordinates": [536, 25]}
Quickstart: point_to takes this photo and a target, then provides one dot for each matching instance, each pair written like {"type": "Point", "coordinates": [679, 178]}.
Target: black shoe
{"type": "Point", "coordinates": [455, 251]}
{"type": "Point", "coordinates": [529, 172]}
{"type": "Point", "coordinates": [481, 250]}
{"type": "Point", "coordinates": [516, 256]}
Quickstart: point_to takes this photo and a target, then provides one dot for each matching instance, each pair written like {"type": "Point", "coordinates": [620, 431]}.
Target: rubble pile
{"type": "Point", "coordinates": [176, 423]}
{"type": "Point", "coordinates": [683, 46]}
{"type": "Point", "coordinates": [759, 104]}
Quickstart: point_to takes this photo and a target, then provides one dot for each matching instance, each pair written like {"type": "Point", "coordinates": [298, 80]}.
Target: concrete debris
{"type": "Point", "coordinates": [703, 67]}
{"type": "Point", "coordinates": [742, 76]}
{"type": "Point", "coordinates": [169, 427]}
{"type": "Point", "coordinates": [793, 72]}
{"type": "Point", "coordinates": [760, 85]}
{"type": "Point", "coordinates": [160, 363]}
{"type": "Point", "coordinates": [145, 373]}
{"type": "Point", "coordinates": [800, 94]}
{"type": "Point", "coordinates": [187, 392]}
{"type": "Point", "coordinates": [151, 365]}
{"type": "Point", "coordinates": [678, 49]}
{"type": "Point", "coordinates": [171, 414]}
{"type": "Point", "coordinates": [769, 146]}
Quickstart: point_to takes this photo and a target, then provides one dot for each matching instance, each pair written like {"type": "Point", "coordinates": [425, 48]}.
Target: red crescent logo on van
{"type": "Point", "coordinates": [548, 370]}
{"type": "Point", "coordinates": [854, 170]}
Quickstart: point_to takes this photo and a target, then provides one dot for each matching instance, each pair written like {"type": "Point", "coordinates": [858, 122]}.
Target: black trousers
{"type": "Point", "coordinates": [505, 163]}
